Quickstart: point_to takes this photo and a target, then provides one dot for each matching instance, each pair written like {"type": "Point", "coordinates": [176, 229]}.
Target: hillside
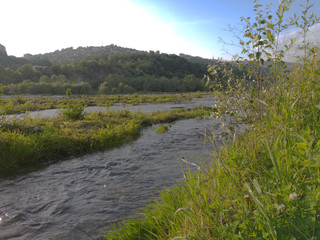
{"type": "Point", "coordinates": [68, 55]}
{"type": "Point", "coordinates": [106, 70]}
{"type": "Point", "coordinates": [10, 61]}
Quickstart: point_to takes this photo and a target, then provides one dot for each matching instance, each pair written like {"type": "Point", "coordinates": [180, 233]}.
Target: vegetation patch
{"type": "Point", "coordinates": [163, 128]}
{"type": "Point", "coordinates": [74, 112]}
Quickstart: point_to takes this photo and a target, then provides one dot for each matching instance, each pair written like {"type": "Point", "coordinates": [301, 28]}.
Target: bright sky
{"type": "Point", "coordinates": [171, 26]}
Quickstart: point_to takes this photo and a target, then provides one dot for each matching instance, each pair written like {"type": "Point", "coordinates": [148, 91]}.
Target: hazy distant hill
{"type": "Point", "coordinates": [108, 70]}
{"type": "Point", "coordinates": [68, 55]}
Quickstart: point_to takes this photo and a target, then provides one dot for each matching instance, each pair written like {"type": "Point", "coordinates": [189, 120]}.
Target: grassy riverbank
{"type": "Point", "coordinates": [264, 184]}
{"type": "Point", "coordinates": [27, 143]}
{"type": "Point", "coordinates": [19, 104]}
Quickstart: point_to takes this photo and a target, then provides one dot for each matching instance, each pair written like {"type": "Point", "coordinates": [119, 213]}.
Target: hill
{"type": "Point", "coordinates": [107, 70]}
{"type": "Point", "coordinates": [68, 55]}
{"type": "Point", "coordinates": [10, 61]}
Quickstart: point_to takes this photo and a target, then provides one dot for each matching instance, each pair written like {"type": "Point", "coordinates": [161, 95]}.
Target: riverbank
{"type": "Point", "coordinates": [28, 143]}
{"type": "Point", "coordinates": [265, 183]}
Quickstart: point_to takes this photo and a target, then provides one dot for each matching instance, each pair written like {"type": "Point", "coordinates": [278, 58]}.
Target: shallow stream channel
{"type": "Point", "coordinates": [80, 197]}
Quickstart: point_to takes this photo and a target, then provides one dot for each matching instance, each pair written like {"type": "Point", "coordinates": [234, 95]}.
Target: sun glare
{"type": "Point", "coordinates": [38, 27]}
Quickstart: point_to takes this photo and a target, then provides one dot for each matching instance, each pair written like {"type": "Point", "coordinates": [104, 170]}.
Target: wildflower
{"type": "Point", "coordinates": [293, 196]}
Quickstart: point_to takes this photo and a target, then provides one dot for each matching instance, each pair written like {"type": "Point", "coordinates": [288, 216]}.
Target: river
{"type": "Point", "coordinates": [83, 195]}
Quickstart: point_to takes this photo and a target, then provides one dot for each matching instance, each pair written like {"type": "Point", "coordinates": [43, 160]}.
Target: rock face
{"type": "Point", "coordinates": [3, 51]}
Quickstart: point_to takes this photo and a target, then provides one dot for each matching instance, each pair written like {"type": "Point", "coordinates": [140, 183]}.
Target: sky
{"type": "Point", "coordinates": [171, 26]}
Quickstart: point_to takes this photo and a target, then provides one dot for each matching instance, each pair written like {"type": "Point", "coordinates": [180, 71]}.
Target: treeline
{"type": "Point", "coordinates": [113, 73]}
{"type": "Point", "coordinates": [68, 55]}
{"type": "Point", "coordinates": [11, 61]}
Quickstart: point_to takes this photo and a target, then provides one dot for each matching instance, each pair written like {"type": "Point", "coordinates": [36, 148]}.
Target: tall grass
{"type": "Point", "coordinates": [263, 184]}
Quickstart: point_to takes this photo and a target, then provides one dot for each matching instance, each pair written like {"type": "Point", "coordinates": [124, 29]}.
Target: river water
{"type": "Point", "coordinates": [83, 195]}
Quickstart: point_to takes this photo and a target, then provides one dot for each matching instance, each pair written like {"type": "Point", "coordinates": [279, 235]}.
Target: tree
{"type": "Point", "coordinates": [26, 72]}
{"type": "Point", "coordinates": [68, 92]}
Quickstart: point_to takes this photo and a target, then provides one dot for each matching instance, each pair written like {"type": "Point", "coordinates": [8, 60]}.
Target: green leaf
{"type": "Point", "coordinates": [302, 145]}
{"type": "Point", "coordinates": [257, 186]}
{"type": "Point", "coordinates": [258, 55]}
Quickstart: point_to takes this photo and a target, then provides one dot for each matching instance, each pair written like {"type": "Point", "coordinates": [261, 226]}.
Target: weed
{"type": "Point", "coordinates": [163, 128]}
{"type": "Point", "coordinates": [74, 112]}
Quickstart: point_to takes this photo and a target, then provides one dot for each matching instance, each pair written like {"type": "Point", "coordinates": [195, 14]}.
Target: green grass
{"type": "Point", "coordinates": [163, 128]}
{"type": "Point", "coordinates": [28, 143]}
{"type": "Point", "coordinates": [263, 184]}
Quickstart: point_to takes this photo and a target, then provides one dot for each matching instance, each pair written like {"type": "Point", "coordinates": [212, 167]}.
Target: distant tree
{"type": "Point", "coordinates": [68, 92]}
{"type": "Point", "coordinates": [191, 83]}
{"type": "Point", "coordinates": [44, 79]}
{"type": "Point", "coordinates": [105, 88]}
{"type": "Point", "coordinates": [26, 72]}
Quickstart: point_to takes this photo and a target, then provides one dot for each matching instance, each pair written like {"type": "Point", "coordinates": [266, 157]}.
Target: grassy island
{"type": "Point", "coordinates": [27, 143]}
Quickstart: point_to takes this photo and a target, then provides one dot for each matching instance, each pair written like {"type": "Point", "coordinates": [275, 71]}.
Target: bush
{"type": "Point", "coordinates": [74, 112]}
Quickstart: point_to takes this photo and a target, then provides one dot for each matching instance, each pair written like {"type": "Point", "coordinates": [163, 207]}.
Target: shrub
{"type": "Point", "coordinates": [68, 92]}
{"type": "Point", "coordinates": [74, 112]}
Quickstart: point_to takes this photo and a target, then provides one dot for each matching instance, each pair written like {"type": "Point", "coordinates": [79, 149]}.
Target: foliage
{"type": "Point", "coordinates": [74, 112]}
{"type": "Point", "coordinates": [163, 128]}
{"type": "Point", "coordinates": [68, 92]}
{"type": "Point", "coordinates": [48, 88]}
{"type": "Point", "coordinates": [108, 74]}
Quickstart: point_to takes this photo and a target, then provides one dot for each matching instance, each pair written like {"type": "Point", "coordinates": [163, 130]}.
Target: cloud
{"type": "Point", "coordinates": [312, 38]}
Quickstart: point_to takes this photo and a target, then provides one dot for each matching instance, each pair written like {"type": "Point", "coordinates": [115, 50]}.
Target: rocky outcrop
{"type": "Point", "coordinates": [3, 51]}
